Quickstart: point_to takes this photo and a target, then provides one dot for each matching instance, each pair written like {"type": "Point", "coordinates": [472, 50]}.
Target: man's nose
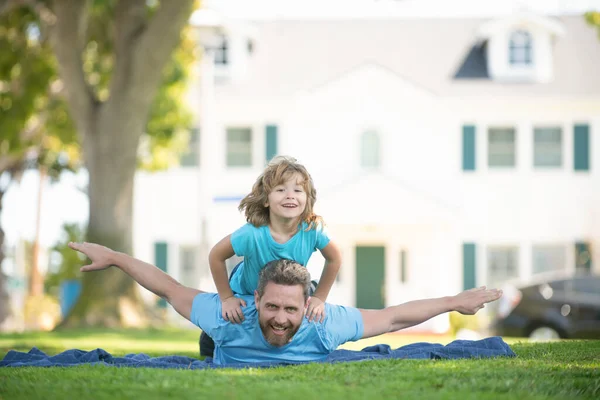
{"type": "Point", "coordinates": [280, 318]}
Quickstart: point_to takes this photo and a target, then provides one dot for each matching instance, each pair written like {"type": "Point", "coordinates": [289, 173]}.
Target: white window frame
{"type": "Point", "coordinates": [229, 150]}
{"type": "Point", "coordinates": [222, 52]}
{"type": "Point", "coordinates": [537, 251]}
{"type": "Point", "coordinates": [188, 276]}
{"type": "Point", "coordinates": [489, 155]}
{"type": "Point", "coordinates": [520, 48]}
{"type": "Point", "coordinates": [191, 158]}
{"type": "Point", "coordinates": [496, 280]}
{"type": "Point", "coordinates": [537, 146]}
{"type": "Point", "coordinates": [365, 159]}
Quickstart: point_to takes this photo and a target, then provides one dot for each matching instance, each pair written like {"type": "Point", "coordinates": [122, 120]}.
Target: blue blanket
{"type": "Point", "coordinates": [489, 347]}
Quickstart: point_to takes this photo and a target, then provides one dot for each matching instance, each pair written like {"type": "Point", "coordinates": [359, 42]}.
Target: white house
{"type": "Point", "coordinates": [447, 153]}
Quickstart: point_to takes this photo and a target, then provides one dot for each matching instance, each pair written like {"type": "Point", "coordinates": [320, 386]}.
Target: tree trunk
{"type": "Point", "coordinates": [4, 299]}
{"type": "Point", "coordinates": [36, 281]}
{"type": "Point", "coordinates": [110, 132]}
{"type": "Point", "coordinates": [110, 298]}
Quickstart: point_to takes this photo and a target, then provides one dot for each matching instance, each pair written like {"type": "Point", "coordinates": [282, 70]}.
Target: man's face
{"type": "Point", "coordinates": [280, 312]}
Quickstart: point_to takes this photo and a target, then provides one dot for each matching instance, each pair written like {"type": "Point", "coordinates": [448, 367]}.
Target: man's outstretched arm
{"type": "Point", "coordinates": [147, 275]}
{"type": "Point", "coordinates": [390, 319]}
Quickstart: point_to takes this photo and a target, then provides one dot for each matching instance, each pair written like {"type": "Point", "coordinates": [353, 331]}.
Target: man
{"type": "Point", "coordinates": [275, 327]}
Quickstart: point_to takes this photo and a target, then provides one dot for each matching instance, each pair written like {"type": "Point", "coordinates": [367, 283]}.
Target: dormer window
{"type": "Point", "coordinates": [520, 48]}
{"type": "Point", "coordinates": [222, 52]}
{"type": "Point", "coordinates": [370, 150]}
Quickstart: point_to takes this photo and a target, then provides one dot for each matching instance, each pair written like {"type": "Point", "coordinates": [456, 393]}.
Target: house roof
{"type": "Point", "coordinates": [432, 53]}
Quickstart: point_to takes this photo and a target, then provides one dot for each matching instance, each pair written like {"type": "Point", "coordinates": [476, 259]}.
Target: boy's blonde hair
{"type": "Point", "coordinates": [279, 170]}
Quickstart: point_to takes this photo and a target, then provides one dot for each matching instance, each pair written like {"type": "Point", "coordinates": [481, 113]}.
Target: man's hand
{"type": "Point", "coordinates": [101, 257]}
{"type": "Point", "coordinates": [473, 300]}
{"type": "Point", "coordinates": [316, 310]}
{"type": "Point", "coordinates": [231, 309]}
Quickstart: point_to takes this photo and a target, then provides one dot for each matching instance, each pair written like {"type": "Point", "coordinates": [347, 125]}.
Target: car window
{"type": "Point", "coordinates": [558, 285]}
{"type": "Point", "coordinates": [588, 285]}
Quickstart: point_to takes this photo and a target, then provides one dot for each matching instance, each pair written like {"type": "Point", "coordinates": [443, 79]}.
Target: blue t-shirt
{"type": "Point", "coordinates": [245, 342]}
{"type": "Point", "coordinates": [258, 247]}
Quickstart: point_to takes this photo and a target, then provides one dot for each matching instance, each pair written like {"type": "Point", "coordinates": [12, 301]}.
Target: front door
{"type": "Point", "coordinates": [370, 273]}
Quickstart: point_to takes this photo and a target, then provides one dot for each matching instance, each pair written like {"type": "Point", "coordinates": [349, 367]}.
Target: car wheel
{"type": "Point", "coordinates": [543, 334]}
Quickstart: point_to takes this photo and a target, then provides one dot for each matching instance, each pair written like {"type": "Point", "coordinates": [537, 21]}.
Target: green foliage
{"type": "Point", "coordinates": [26, 71]}
{"type": "Point", "coordinates": [30, 95]}
{"type": "Point", "coordinates": [36, 128]}
{"type": "Point", "coordinates": [593, 18]}
{"type": "Point", "coordinates": [168, 126]}
{"type": "Point", "coordinates": [64, 262]}
{"type": "Point", "coordinates": [559, 370]}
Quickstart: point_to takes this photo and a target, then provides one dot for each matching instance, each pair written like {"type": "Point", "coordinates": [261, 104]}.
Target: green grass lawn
{"type": "Point", "coordinates": [559, 370]}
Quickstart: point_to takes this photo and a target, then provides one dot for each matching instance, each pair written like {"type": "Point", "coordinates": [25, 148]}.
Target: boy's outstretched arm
{"type": "Point", "coordinates": [147, 275]}
{"type": "Point", "coordinates": [390, 319]}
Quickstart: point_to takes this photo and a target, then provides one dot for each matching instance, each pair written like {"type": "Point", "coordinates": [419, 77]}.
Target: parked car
{"type": "Point", "coordinates": [552, 309]}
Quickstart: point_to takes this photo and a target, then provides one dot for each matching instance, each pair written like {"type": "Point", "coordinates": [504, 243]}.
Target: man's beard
{"type": "Point", "coordinates": [272, 338]}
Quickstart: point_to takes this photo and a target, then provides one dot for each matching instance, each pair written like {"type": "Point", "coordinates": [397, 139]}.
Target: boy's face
{"type": "Point", "coordinates": [287, 201]}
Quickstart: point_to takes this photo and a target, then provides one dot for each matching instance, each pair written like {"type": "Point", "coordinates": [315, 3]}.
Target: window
{"type": "Point", "coordinates": [583, 257]}
{"type": "Point", "coordinates": [503, 264]}
{"type": "Point", "coordinates": [549, 258]}
{"type": "Point", "coordinates": [547, 147]}
{"type": "Point", "coordinates": [187, 266]}
{"type": "Point", "coordinates": [501, 147]}
{"type": "Point", "coordinates": [239, 147]}
{"type": "Point", "coordinates": [588, 285]}
{"type": "Point", "coordinates": [370, 150]}
{"type": "Point", "coordinates": [222, 52]}
{"type": "Point", "coordinates": [520, 48]}
{"type": "Point", "coordinates": [191, 158]}
{"type": "Point", "coordinates": [403, 267]}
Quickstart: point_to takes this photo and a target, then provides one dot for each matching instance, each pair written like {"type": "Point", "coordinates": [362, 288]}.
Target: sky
{"type": "Point", "coordinates": [64, 202]}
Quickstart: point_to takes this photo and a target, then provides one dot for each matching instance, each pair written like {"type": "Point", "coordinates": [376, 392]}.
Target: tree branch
{"type": "Point", "coordinates": [7, 6]}
{"type": "Point", "coordinates": [156, 45]}
{"type": "Point", "coordinates": [9, 162]}
{"type": "Point", "coordinates": [66, 41]}
{"type": "Point", "coordinates": [130, 16]}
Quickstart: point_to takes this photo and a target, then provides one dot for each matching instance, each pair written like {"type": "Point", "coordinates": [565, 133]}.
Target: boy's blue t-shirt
{"type": "Point", "coordinates": [258, 247]}
{"type": "Point", "coordinates": [245, 342]}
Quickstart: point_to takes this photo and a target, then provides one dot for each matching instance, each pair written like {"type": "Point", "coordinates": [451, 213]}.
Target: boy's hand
{"type": "Point", "coordinates": [231, 309]}
{"type": "Point", "coordinates": [316, 310]}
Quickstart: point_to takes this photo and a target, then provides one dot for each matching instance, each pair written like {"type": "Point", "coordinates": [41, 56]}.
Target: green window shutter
{"type": "Point", "coordinates": [583, 256]}
{"type": "Point", "coordinates": [271, 142]}
{"type": "Point", "coordinates": [160, 260]}
{"type": "Point", "coordinates": [468, 148]}
{"type": "Point", "coordinates": [581, 147]}
{"type": "Point", "coordinates": [469, 264]}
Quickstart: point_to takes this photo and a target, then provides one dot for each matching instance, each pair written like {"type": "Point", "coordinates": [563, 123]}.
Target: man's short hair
{"type": "Point", "coordinates": [284, 272]}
